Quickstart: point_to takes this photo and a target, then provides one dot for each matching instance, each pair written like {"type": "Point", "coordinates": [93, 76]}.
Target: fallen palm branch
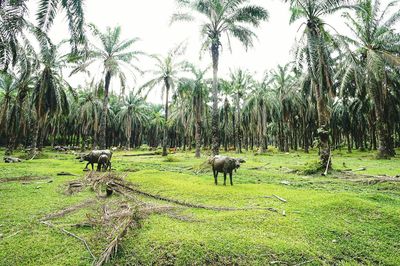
{"type": "Point", "coordinates": [65, 174]}
{"type": "Point", "coordinates": [23, 179]}
{"type": "Point", "coordinates": [112, 248]}
{"type": "Point", "coordinates": [68, 210]}
{"type": "Point", "coordinates": [188, 204]}
{"type": "Point", "coordinates": [280, 198]}
{"type": "Point", "coordinates": [49, 224]}
{"type": "Point", "coordinates": [368, 179]}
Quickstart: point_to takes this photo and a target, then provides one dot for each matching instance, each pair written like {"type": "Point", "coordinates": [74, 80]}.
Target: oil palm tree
{"type": "Point", "coordinates": [241, 82]}
{"type": "Point", "coordinates": [231, 17]}
{"type": "Point", "coordinates": [374, 62]}
{"type": "Point", "coordinates": [115, 56]}
{"type": "Point", "coordinates": [313, 50]}
{"type": "Point", "coordinates": [8, 106]}
{"type": "Point", "coordinates": [197, 96]}
{"type": "Point", "coordinates": [89, 116]}
{"type": "Point", "coordinates": [259, 103]}
{"type": "Point", "coordinates": [49, 97]}
{"type": "Point", "coordinates": [134, 112]}
{"type": "Point", "coordinates": [287, 100]}
{"type": "Point", "coordinates": [166, 73]}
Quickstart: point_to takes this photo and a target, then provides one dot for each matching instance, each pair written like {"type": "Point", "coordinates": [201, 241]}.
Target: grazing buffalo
{"type": "Point", "coordinates": [93, 157]}
{"type": "Point", "coordinates": [226, 165]}
{"type": "Point", "coordinates": [103, 163]}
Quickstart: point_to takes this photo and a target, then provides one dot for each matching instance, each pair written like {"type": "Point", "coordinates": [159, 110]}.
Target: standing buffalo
{"type": "Point", "coordinates": [226, 165]}
{"type": "Point", "coordinates": [103, 163]}
{"type": "Point", "coordinates": [93, 157]}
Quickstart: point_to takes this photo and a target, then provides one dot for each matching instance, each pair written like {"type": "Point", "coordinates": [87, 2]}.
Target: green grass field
{"type": "Point", "coordinates": [338, 219]}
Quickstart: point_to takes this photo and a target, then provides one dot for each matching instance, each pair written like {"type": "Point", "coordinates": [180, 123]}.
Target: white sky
{"type": "Point", "coordinates": [149, 20]}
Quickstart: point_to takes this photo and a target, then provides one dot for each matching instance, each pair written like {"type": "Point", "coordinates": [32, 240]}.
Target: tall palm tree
{"type": "Point", "coordinates": [8, 106]}
{"type": "Point", "coordinates": [133, 113]}
{"type": "Point", "coordinates": [115, 56]}
{"type": "Point", "coordinates": [287, 100]}
{"type": "Point", "coordinates": [374, 62]}
{"type": "Point", "coordinates": [156, 124]}
{"type": "Point", "coordinates": [241, 82]}
{"type": "Point", "coordinates": [197, 95]}
{"type": "Point", "coordinates": [89, 116]}
{"type": "Point", "coordinates": [166, 72]}
{"type": "Point", "coordinates": [259, 103]}
{"type": "Point", "coordinates": [49, 96]}
{"type": "Point", "coordinates": [314, 50]}
{"type": "Point", "coordinates": [230, 17]}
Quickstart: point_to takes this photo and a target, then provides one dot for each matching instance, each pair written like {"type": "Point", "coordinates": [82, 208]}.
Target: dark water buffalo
{"type": "Point", "coordinates": [103, 163]}
{"type": "Point", "coordinates": [93, 157]}
{"type": "Point", "coordinates": [226, 165]}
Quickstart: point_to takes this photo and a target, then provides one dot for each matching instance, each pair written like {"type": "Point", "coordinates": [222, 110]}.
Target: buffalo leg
{"type": "Point", "coordinates": [224, 178]}
{"type": "Point", "coordinates": [230, 177]}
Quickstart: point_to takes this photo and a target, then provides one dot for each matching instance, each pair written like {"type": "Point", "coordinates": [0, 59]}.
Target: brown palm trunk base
{"type": "Point", "coordinates": [325, 151]}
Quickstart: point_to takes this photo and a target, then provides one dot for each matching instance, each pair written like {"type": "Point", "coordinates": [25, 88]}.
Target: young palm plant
{"type": "Point", "coordinates": [231, 17]}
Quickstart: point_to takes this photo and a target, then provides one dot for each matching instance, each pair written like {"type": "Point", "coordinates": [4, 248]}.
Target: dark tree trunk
{"type": "Point", "coordinates": [385, 150]}
{"type": "Point", "coordinates": [348, 142]}
{"type": "Point", "coordinates": [35, 137]}
{"type": "Point", "coordinates": [165, 135]}
{"type": "Point", "coordinates": [323, 130]}
{"type": "Point", "coordinates": [215, 114]}
{"type": "Point", "coordinates": [103, 119]}
{"type": "Point", "coordinates": [198, 130]}
{"type": "Point", "coordinates": [238, 139]}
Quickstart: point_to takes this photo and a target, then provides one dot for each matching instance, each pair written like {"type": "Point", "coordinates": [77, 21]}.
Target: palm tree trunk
{"type": "Point", "coordinates": [348, 142]}
{"type": "Point", "coordinates": [385, 149]}
{"type": "Point", "coordinates": [238, 126]}
{"type": "Point", "coordinates": [323, 121]}
{"type": "Point", "coordinates": [198, 130]}
{"type": "Point", "coordinates": [35, 137]}
{"type": "Point", "coordinates": [262, 136]}
{"type": "Point", "coordinates": [215, 114]}
{"type": "Point", "coordinates": [103, 120]}
{"type": "Point", "coordinates": [165, 136]}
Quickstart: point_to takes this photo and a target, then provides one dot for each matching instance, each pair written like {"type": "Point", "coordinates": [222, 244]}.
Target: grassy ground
{"type": "Point", "coordinates": [326, 220]}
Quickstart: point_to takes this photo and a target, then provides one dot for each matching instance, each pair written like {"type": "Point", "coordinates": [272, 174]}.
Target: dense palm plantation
{"type": "Point", "coordinates": [341, 91]}
{"type": "Point", "coordinates": [309, 145]}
